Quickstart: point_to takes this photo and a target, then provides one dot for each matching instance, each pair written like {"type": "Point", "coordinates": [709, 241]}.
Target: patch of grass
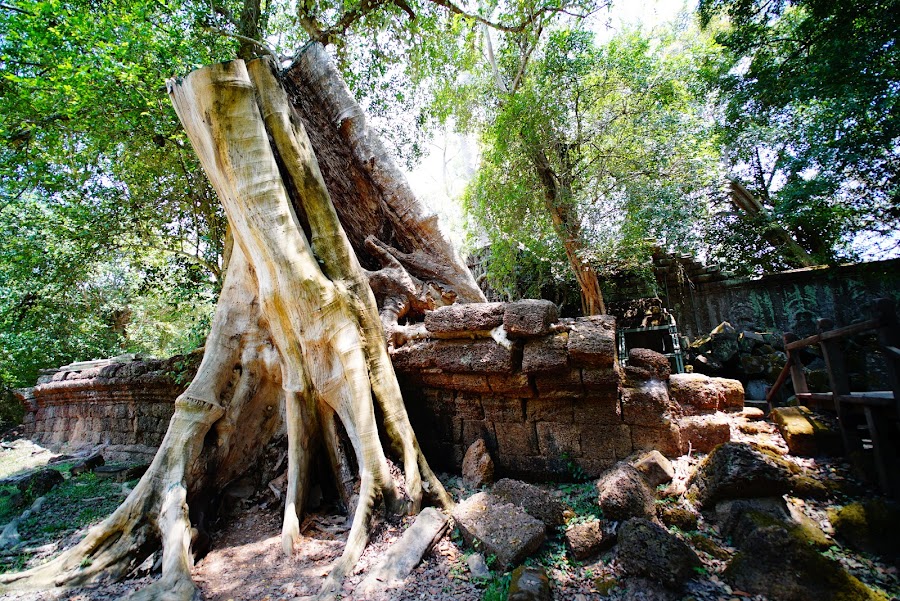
{"type": "Point", "coordinates": [582, 498]}
{"type": "Point", "coordinates": [497, 589]}
{"type": "Point", "coordinates": [75, 503]}
{"type": "Point", "coordinates": [9, 510]}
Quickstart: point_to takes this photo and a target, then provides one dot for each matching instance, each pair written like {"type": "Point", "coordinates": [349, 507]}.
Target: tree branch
{"type": "Point", "coordinates": [15, 9]}
{"type": "Point", "coordinates": [244, 38]}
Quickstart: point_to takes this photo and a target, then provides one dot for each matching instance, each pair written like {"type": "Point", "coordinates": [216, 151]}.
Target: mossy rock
{"type": "Point", "coordinates": [703, 543]}
{"type": "Point", "coordinates": [781, 564]}
{"type": "Point", "coordinates": [872, 526]}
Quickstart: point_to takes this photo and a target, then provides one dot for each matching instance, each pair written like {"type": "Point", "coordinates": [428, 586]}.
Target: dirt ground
{"type": "Point", "coordinates": [247, 563]}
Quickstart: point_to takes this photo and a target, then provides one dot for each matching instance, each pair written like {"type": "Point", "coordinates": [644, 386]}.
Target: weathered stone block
{"type": "Point", "coordinates": [593, 467]}
{"type": "Point", "coordinates": [563, 384]}
{"type": "Point", "coordinates": [549, 410]}
{"type": "Point", "coordinates": [470, 383]}
{"type": "Point", "coordinates": [666, 439]}
{"type": "Point", "coordinates": [465, 317]}
{"type": "Point", "coordinates": [554, 439]}
{"type": "Point", "coordinates": [592, 341]}
{"type": "Point", "coordinates": [732, 394]}
{"type": "Point", "coordinates": [514, 385]}
{"type": "Point", "coordinates": [696, 391]}
{"type": "Point", "coordinates": [703, 433]}
{"type": "Point", "coordinates": [647, 405]}
{"type": "Point", "coordinates": [503, 409]}
{"type": "Point", "coordinates": [516, 438]}
{"type": "Point", "coordinates": [537, 501]}
{"type": "Point", "coordinates": [477, 465]}
{"type": "Point", "coordinates": [469, 407]}
{"type": "Point", "coordinates": [497, 528]}
{"type": "Point", "coordinates": [606, 441]}
{"type": "Point", "coordinates": [600, 379]}
{"type": "Point", "coordinates": [454, 356]}
{"type": "Point", "coordinates": [654, 363]}
{"type": "Point", "coordinates": [473, 430]}
{"type": "Point", "coordinates": [598, 409]}
{"type": "Point", "coordinates": [530, 317]}
{"type": "Point", "coordinates": [546, 354]}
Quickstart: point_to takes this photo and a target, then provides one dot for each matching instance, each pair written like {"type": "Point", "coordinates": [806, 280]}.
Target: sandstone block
{"type": "Point", "coordinates": [554, 439]}
{"type": "Point", "coordinates": [497, 528]}
{"type": "Point", "coordinates": [703, 433]}
{"type": "Point", "coordinates": [516, 385]}
{"type": "Point", "coordinates": [665, 438]}
{"type": "Point", "coordinates": [647, 405]}
{"type": "Point", "coordinates": [563, 384]}
{"type": "Point", "coordinates": [738, 471]}
{"type": "Point", "coordinates": [598, 408]}
{"type": "Point", "coordinates": [468, 407]}
{"type": "Point", "coordinates": [454, 356]}
{"type": "Point", "coordinates": [654, 467]}
{"type": "Point", "coordinates": [592, 341]}
{"type": "Point", "coordinates": [503, 409]}
{"type": "Point", "coordinates": [465, 317]}
{"type": "Point", "coordinates": [646, 549]}
{"type": "Point", "coordinates": [516, 438]}
{"type": "Point", "coordinates": [606, 442]}
{"type": "Point", "coordinates": [546, 354]}
{"type": "Point", "coordinates": [549, 410]}
{"type": "Point", "coordinates": [587, 539]}
{"type": "Point", "coordinates": [529, 317]}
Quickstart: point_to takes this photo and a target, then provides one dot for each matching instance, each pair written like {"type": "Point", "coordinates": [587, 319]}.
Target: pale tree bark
{"type": "Point", "coordinates": [297, 326]}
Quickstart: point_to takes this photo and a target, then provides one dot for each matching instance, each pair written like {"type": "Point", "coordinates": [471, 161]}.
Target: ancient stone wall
{"type": "Point", "coordinates": [787, 301]}
{"type": "Point", "coordinates": [547, 395]}
{"type": "Point", "coordinates": [124, 406]}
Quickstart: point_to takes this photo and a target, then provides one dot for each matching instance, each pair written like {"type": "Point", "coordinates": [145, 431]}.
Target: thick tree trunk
{"type": "Point", "coordinates": [297, 322]}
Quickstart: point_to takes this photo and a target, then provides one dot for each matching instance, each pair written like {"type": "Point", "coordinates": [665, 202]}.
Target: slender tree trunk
{"type": "Point", "coordinates": [566, 222]}
{"type": "Point", "coordinates": [297, 323]}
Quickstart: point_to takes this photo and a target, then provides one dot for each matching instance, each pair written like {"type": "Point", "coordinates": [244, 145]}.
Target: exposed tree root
{"type": "Point", "coordinates": [297, 322]}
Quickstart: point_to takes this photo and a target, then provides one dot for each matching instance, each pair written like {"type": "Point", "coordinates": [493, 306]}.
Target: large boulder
{"type": "Point", "coordinates": [37, 484]}
{"type": "Point", "coordinates": [623, 493]}
{"type": "Point", "coordinates": [497, 528]}
{"type": "Point", "coordinates": [536, 501]}
{"type": "Point", "coordinates": [647, 549]}
{"type": "Point", "coordinates": [780, 563]}
{"type": "Point", "coordinates": [872, 526]}
{"type": "Point", "coordinates": [738, 470]}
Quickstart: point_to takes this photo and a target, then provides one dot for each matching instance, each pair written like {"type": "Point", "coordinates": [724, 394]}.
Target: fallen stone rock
{"type": "Point", "coordinates": [805, 434]}
{"type": "Point", "coordinates": [677, 516]}
{"type": "Point", "coordinates": [737, 470]}
{"type": "Point", "coordinates": [732, 394]}
{"type": "Point", "coordinates": [88, 464]}
{"type": "Point", "coordinates": [872, 526]}
{"type": "Point", "coordinates": [780, 564]}
{"type": "Point", "coordinates": [536, 501]}
{"type": "Point", "coordinates": [696, 391]}
{"type": "Point", "coordinates": [647, 549]}
{"type": "Point", "coordinates": [497, 528]}
{"type": "Point", "coordinates": [465, 317]}
{"type": "Point", "coordinates": [623, 493]}
{"type": "Point", "coordinates": [752, 414]}
{"type": "Point", "coordinates": [588, 539]}
{"type": "Point", "coordinates": [654, 467]}
{"type": "Point", "coordinates": [529, 584]}
{"type": "Point", "coordinates": [38, 483]}
{"type": "Point", "coordinates": [655, 365]}
{"type": "Point", "coordinates": [529, 317]}
{"type": "Point", "coordinates": [477, 566]}
{"type": "Point", "coordinates": [477, 465]}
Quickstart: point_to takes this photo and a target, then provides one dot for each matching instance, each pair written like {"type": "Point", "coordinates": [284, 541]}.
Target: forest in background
{"type": "Point", "coordinates": [592, 153]}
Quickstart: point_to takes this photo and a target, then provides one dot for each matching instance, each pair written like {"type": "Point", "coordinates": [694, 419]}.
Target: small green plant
{"type": "Point", "coordinates": [575, 471]}
{"type": "Point", "coordinates": [497, 589]}
{"type": "Point", "coordinates": [701, 570]}
{"type": "Point", "coordinates": [491, 561]}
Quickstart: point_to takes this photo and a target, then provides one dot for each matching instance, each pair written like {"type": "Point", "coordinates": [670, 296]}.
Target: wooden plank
{"type": "Point", "coordinates": [856, 328]}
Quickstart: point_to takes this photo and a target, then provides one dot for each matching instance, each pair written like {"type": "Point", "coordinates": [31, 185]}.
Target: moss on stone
{"type": "Point", "coordinates": [872, 526]}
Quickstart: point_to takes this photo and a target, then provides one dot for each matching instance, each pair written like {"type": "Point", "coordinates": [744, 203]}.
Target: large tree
{"type": "Point", "coordinates": [591, 150]}
{"type": "Point", "coordinates": [810, 123]}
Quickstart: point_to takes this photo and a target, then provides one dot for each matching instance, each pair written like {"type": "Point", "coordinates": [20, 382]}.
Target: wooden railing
{"type": "Point", "coordinates": [881, 409]}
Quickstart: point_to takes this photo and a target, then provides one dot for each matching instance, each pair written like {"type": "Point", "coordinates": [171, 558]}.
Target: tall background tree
{"type": "Point", "coordinates": [811, 125]}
